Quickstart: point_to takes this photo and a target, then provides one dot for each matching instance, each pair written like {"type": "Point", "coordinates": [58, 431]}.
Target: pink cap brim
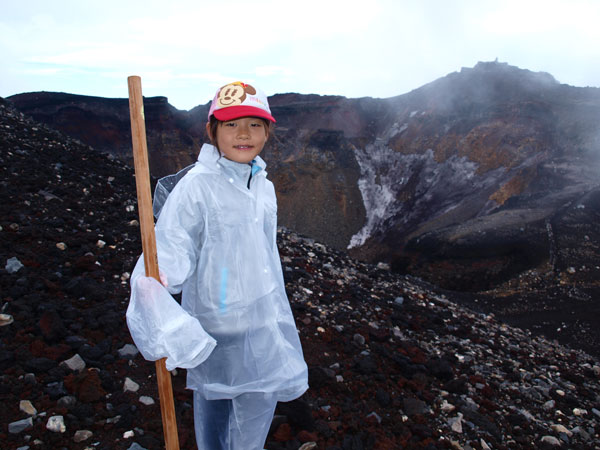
{"type": "Point", "coordinates": [235, 112]}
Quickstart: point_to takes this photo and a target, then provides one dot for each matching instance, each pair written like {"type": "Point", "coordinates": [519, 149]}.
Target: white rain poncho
{"type": "Point", "coordinates": [216, 242]}
{"type": "Point", "coordinates": [155, 310]}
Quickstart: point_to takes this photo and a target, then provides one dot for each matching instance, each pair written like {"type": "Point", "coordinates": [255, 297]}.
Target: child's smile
{"type": "Point", "coordinates": [241, 140]}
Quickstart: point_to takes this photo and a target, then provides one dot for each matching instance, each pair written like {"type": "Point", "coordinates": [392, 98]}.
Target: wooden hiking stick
{"type": "Point", "coordinates": [142, 182]}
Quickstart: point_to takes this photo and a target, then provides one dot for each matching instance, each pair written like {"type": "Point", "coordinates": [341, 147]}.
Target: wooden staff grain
{"type": "Point", "coordinates": [144, 197]}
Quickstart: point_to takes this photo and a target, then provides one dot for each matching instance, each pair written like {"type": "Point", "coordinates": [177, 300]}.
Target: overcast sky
{"type": "Point", "coordinates": [185, 50]}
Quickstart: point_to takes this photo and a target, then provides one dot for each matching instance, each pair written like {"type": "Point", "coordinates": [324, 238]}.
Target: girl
{"type": "Point", "coordinates": [216, 241]}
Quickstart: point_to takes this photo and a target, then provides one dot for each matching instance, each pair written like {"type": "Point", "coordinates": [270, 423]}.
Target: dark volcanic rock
{"type": "Point", "coordinates": [466, 174]}
{"type": "Point", "coordinates": [394, 363]}
{"type": "Point", "coordinates": [51, 326]}
{"type": "Point", "coordinates": [102, 123]}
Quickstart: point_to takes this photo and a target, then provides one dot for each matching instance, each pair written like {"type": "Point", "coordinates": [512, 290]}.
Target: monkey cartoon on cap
{"type": "Point", "coordinates": [234, 94]}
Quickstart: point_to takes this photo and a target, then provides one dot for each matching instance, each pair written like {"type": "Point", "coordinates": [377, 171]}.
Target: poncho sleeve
{"type": "Point", "coordinates": [159, 326]}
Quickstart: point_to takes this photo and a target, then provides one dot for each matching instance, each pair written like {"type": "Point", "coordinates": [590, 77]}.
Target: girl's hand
{"type": "Point", "coordinates": [163, 278]}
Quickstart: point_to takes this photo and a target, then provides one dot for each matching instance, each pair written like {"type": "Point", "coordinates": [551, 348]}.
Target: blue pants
{"type": "Point", "coordinates": [241, 423]}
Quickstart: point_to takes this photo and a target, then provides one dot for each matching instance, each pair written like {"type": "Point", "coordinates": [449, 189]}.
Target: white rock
{"type": "Point", "coordinates": [551, 440]}
{"type": "Point", "coordinates": [61, 246]}
{"type": "Point", "coordinates": [128, 434]}
{"type": "Point", "coordinates": [56, 424]}
{"type": "Point", "coordinates": [308, 446]}
{"type": "Point", "coordinates": [447, 407]}
{"type": "Point", "coordinates": [27, 407]}
{"type": "Point", "coordinates": [76, 363]}
{"type": "Point", "coordinates": [20, 425]}
{"type": "Point", "coordinates": [144, 399]}
{"type": "Point", "coordinates": [6, 319]}
{"type": "Point", "coordinates": [100, 243]}
{"type": "Point", "coordinates": [130, 385]}
{"type": "Point", "coordinates": [456, 423]}
{"type": "Point", "coordinates": [128, 350]}
{"type": "Point", "coordinates": [82, 435]}
{"type": "Point", "coordinates": [579, 412]}
{"type": "Point", "coordinates": [13, 265]}
{"type": "Point", "coordinates": [562, 429]}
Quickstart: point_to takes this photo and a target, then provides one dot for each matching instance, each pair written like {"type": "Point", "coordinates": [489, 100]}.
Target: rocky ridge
{"type": "Point", "coordinates": [464, 174]}
{"type": "Point", "coordinates": [393, 363]}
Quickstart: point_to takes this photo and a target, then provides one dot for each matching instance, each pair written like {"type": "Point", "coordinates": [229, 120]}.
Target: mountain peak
{"type": "Point", "coordinates": [504, 69]}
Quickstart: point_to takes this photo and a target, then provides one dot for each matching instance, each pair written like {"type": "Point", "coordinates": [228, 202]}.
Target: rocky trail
{"type": "Point", "coordinates": [393, 362]}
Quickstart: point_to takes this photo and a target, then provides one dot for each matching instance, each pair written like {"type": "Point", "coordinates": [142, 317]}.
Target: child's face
{"type": "Point", "coordinates": [241, 140]}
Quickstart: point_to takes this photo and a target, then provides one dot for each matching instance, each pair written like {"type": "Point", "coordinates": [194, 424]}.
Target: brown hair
{"type": "Point", "coordinates": [214, 124]}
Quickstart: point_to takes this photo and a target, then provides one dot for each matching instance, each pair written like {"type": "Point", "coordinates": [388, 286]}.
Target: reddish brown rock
{"type": "Point", "coordinates": [283, 433]}
{"type": "Point", "coordinates": [86, 386]}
